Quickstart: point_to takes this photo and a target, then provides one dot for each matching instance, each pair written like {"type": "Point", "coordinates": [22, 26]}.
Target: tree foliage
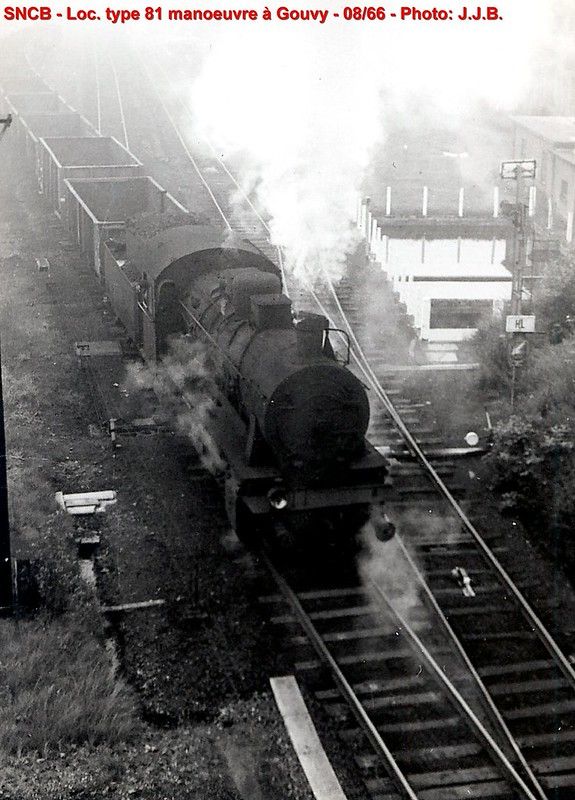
{"type": "Point", "coordinates": [533, 469]}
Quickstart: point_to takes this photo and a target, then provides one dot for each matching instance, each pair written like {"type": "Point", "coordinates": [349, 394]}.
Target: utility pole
{"type": "Point", "coordinates": [519, 244]}
{"type": "Point", "coordinates": [6, 578]}
{"type": "Point", "coordinates": [6, 575]}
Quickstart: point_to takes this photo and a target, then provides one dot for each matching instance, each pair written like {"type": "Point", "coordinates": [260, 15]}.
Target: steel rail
{"type": "Point", "coordinates": [120, 102]}
{"type": "Point", "coordinates": [185, 146]}
{"type": "Point", "coordinates": [549, 642]}
{"type": "Point", "coordinates": [492, 710]}
{"type": "Point", "coordinates": [361, 715]}
{"type": "Point", "coordinates": [377, 742]}
{"type": "Point", "coordinates": [464, 707]}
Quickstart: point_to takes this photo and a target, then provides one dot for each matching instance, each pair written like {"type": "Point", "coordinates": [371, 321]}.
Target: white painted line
{"type": "Point", "coordinates": [309, 750]}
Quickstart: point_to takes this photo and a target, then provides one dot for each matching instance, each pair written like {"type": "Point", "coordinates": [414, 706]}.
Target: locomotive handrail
{"type": "Point", "coordinates": [343, 333]}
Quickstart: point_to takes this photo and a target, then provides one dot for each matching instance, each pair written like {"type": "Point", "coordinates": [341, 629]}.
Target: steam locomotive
{"type": "Point", "coordinates": [290, 419]}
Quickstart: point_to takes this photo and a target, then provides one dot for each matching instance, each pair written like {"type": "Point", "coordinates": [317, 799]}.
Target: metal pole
{"type": "Point", "coordinates": [519, 246]}
{"type": "Point", "coordinates": [6, 584]}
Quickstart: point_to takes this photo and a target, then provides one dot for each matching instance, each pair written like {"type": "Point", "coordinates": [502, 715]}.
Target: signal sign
{"type": "Point", "coordinates": [520, 323]}
{"type": "Point", "coordinates": [515, 169]}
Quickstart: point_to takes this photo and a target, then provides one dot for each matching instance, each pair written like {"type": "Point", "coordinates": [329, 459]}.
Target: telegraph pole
{"type": "Point", "coordinates": [6, 578]}
{"type": "Point", "coordinates": [6, 575]}
{"type": "Point", "coordinates": [518, 245]}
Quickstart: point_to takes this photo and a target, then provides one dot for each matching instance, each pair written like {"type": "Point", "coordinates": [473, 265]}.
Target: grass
{"type": "Point", "coordinates": [57, 688]}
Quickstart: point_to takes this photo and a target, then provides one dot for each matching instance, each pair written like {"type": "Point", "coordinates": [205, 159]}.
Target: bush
{"type": "Point", "coordinates": [533, 468]}
{"type": "Point", "coordinates": [555, 297]}
{"type": "Point", "coordinates": [549, 385]}
{"type": "Point", "coordinates": [58, 688]}
{"type": "Point", "coordinates": [490, 349]}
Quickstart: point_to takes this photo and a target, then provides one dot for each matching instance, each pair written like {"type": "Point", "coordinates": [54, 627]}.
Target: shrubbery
{"type": "Point", "coordinates": [534, 472]}
{"type": "Point", "coordinates": [533, 456]}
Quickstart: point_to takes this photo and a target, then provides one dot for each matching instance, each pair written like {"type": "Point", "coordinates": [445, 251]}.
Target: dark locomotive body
{"type": "Point", "coordinates": [290, 419]}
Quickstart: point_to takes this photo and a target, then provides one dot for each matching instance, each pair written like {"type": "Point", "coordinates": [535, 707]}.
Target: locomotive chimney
{"type": "Point", "coordinates": [310, 331]}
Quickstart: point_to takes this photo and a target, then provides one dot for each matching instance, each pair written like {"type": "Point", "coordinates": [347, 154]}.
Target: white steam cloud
{"type": "Point", "coordinates": [300, 107]}
{"type": "Point", "coordinates": [304, 120]}
{"type": "Point", "coordinates": [183, 374]}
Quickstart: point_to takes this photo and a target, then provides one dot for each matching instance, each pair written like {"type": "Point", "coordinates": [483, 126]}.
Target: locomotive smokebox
{"type": "Point", "coordinates": [311, 332]}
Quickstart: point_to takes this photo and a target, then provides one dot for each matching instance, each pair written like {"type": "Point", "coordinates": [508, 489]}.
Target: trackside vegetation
{"type": "Point", "coordinates": [532, 462]}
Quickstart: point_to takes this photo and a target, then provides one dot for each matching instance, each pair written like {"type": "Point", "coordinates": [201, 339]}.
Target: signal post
{"type": "Point", "coordinates": [518, 324]}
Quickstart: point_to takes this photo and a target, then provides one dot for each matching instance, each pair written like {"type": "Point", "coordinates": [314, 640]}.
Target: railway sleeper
{"type": "Point", "coordinates": [444, 778]}
{"type": "Point", "coordinates": [366, 659]}
{"type": "Point", "coordinates": [556, 708]}
{"type": "Point", "coordinates": [390, 703]}
{"type": "Point", "coordinates": [476, 791]}
{"type": "Point", "coordinates": [384, 685]}
{"type": "Point", "coordinates": [376, 685]}
{"type": "Point", "coordinates": [359, 634]}
{"type": "Point", "coordinates": [421, 755]}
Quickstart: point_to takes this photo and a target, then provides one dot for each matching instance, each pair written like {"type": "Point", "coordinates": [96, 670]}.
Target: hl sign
{"type": "Point", "coordinates": [520, 323]}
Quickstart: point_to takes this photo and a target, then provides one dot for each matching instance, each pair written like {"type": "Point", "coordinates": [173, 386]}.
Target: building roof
{"type": "Point", "coordinates": [560, 131]}
{"type": "Point", "coordinates": [565, 155]}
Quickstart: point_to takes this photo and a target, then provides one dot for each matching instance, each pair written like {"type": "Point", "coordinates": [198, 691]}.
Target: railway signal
{"type": "Point", "coordinates": [516, 323]}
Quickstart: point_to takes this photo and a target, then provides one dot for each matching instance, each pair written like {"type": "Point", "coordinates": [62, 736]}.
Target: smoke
{"type": "Point", "coordinates": [303, 143]}
{"type": "Point", "coordinates": [385, 565]}
{"type": "Point", "coordinates": [183, 375]}
{"type": "Point", "coordinates": [299, 108]}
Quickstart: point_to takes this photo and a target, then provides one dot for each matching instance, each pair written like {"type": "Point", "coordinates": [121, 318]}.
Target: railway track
{"type": "Point", "coordinates": [513, 735]}
{"type": "Point", "coordinates": [396, 675]}
{"type": "Point", "coordinates": [529, 696]}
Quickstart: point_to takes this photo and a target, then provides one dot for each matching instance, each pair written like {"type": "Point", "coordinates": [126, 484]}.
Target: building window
{"type": "Point", "coordinates": [563, 191]}
{"type": "Point", "coordinates": [459, 313]}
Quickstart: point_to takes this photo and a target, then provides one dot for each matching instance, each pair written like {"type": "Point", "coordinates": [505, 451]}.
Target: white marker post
{"type": "Point", "coordinates": [532, 200]}
{"type": "Point", "coordinates": [373, 234]}
{"type": "Point", "coordinates": [549, 214]}
{"type": "Point", "coordinates": [388, 202]}
{"type": "Point", "coordinates": [362, 218]}
{"type": "Point", "coordinates": [495, 202]}
{"type": "Point", "coordinates": [367, 231]}
{"type": "Point", "coordinates": [425, 199]}
{"type": "Point", "coordinates": [460, 205]}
